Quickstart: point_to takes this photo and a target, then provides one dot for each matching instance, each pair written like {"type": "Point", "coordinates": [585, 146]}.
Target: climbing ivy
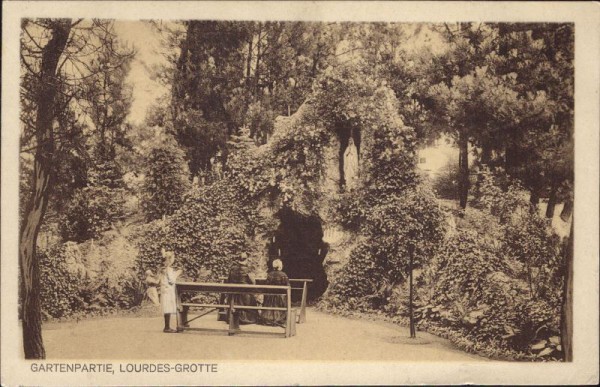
{"type": "Point", "coordinates": [294, 160]}
{"type": "Point", "coordinates": [391, 224]}
{"type": "Point", "coordinates": [207, 233]}
{"type": "Point", "coordinates": [390, 208]}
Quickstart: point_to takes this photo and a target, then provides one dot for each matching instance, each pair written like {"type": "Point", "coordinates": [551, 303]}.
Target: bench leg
{"type": "Point", "coordinates": [222, 313]}
{"type": "Point", "coordinates": [289, 316]}
{"type": "Point", "coordinates": [234, 319]}
{"type": "Point", "coordinates": [302, 318]}
{"type": "Point", "coordinates": [184, 317]}
{"type": "Point", "coordinates": [293, 323]}
{"type": "Point", "coordinates": [181, 316]}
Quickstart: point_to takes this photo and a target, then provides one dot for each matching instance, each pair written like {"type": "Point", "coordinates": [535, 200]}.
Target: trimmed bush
{"type": "Point", "coordinates": [166, 181]}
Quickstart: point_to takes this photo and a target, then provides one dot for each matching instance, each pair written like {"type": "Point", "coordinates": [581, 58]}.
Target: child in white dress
{"type": "Point", "coordinates": [167, 289]}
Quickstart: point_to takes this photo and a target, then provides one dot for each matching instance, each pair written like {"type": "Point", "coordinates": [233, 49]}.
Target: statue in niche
{"type": "Point", "coordinates": [351, 164]}
{"type": "Point", "coordinates": [216, 163]}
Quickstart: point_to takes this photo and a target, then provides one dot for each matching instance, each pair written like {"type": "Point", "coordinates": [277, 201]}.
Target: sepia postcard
{"type": "Point", "coordinates": [300, 193]}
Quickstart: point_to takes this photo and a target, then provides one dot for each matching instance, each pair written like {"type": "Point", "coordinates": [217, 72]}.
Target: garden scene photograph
{"type": "Point", "coordinates": [295, 190]}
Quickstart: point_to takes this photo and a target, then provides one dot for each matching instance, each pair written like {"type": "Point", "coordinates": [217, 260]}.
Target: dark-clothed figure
{"type": "Point", "coordinates": [239, 274]}
{"type": "Point", "coordinates": [275, 277]}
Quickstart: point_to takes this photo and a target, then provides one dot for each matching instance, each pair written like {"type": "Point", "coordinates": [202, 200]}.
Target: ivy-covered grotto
{"type": "Point", "coordinates": [290, 198]}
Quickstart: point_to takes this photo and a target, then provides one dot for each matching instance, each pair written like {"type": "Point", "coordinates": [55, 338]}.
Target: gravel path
{"type": "Point", "coordinates": [322, 337]}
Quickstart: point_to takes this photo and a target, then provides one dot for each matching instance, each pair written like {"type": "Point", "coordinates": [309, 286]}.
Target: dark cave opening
{"type": "Point", "coordinates": [298, 242]}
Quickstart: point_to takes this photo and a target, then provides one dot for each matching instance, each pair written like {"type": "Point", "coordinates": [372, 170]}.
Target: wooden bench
{"type": "Point", "coordinates": [229, 304]}
{"type": "Point", "coordinates": [296, 284]}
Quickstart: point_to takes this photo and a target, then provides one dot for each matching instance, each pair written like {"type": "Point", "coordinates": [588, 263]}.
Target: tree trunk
{"type": "Point", "coordinates": [42, 184]}
{"type": "Point", "coordinates": [551, 201]}
{"type": "Point", "coordinates": [486, 154]}
{"type": "Point", "coordinates": [567, 210]}
{"type": "Point", "coordinates": [530, 280]}
{"type": "Point", "coordinates": [249, 61]}
{"type": "Point", "coordinates": [566, 320]}
{"type": "Point", "coordinates": [177, 90]}
{"type": "Point", "coordinates": [258, 59]}
{"type": "Point", "coordinates": [413, 333]}
{"type": "Point", "coordinates": [534, 198]}
{"type": "Point", "coordinates": [463, 167]}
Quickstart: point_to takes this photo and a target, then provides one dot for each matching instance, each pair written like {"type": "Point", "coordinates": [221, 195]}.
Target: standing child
{"type": "Point", "coordinates": [167, 289]}
{"type": "Point", "coordinates": [152, 292]}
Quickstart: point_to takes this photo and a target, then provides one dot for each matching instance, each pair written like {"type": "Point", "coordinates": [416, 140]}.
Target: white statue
{"type": "Point", "coordinates": [351, 164]}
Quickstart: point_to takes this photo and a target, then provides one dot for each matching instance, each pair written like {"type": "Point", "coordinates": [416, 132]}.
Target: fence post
{"type": "Point", "coordinates": [411, 249]}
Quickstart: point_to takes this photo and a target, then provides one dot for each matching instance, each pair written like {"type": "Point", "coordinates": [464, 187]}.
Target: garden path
{"type": "Point", "coordinates": [322, 337]}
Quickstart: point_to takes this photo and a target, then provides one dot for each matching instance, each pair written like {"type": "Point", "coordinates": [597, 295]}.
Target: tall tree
{"type": "Point", "coordinates": [51, 52]}
{"type": "Point", "coordinates": [538, 148]}
{"type": "Point", "coordinates": [209, 69]}
{"type": "Point", "coordinates": [291, 55]}
{"type": "Point", "coordinates": [224, 68]}
{"type": "Point", "coordinates": [456, 99]}
{"type": "Point", "coordinates": [507, 90]}
{"type": "Point", "coordinates": [56, 57]}
{"type": "Point", "coordinates": [108, 100]}
{"type": "Point", "coordinates": [409, 74]}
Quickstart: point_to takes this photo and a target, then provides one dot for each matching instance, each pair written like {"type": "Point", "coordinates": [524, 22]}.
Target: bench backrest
{"type": "Point", "coordinates": [263, 280]}
{"type": "Point", "coordinates": [208, 287]}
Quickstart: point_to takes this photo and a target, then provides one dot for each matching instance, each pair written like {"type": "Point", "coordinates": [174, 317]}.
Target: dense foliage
{"type": "Point", "coordinates": [293, 160]}
{"type": "Point", "coordinates": [499, 195]}
{"type": "Point", "coordinates": [91, 211]}
{"type": "Point", "coordinates": [227, 72]}
{"type": "Point", "coordinates": [528, 240]}
{"type": "Point", "coordinates": [494, 281]}
{"type": "Point", "coordinates": [166, 181]}
{"type": "Point", "coordinates": [390, 208]}
{"type": "Point", "coordinates": [500, 285]}
{"type": "Point", "coordinates": [381, 262]}
{"type": "Point", "coordinates": [214, 225]}
{"type": "Point", "coordinates": [481, 291]}
{"type": "Point", "coordinates": [206, 234]}
{"type": "Point", "coordinates": [69, 288]}
{"type": "Point", "coordinates": [59, 287]}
